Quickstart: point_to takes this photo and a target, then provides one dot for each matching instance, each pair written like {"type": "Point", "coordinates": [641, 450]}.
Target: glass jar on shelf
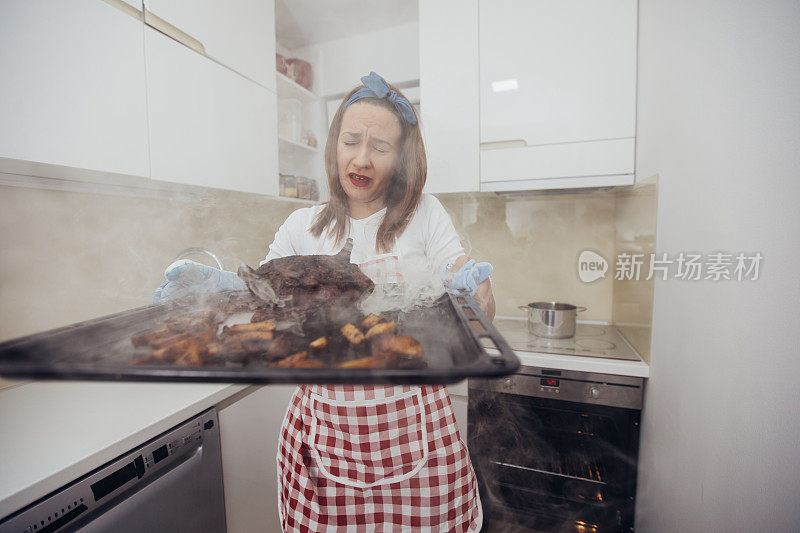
{"type": "Point", "coordinates": [287, 186]}
{"type": "Point", "coordinates": [290, 119]}
{"type": "Point", "coordinates": [303, 188]}
{"type": "Point", "coordinates": [310, 139]}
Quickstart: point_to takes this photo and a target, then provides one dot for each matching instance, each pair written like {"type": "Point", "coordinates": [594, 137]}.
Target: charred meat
{"type": "Point", "coordinates": [396, 346]}
{"type": "Point", "coordinates": [352, 334]}
{"type": "Point", "coordinates": [318, 345]}
{"type": "Point", "coordinates": [381, 329]}
{"type": "Point", "coordinates": [266, 326]}
{"type": "Point", "coordinates": [364, 362]}
{"type": "Point", "coordinates": [308, 280]}
{"type": "Point", "coordinates": [332, 340]}
{"type": "Point", "coordinates": [371, 320]}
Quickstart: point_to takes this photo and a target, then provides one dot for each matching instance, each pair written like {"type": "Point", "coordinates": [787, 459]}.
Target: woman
{"type": "Point", "coordinates": [376, 458]}
{"type": "Point", "coordinates": [380, 458]}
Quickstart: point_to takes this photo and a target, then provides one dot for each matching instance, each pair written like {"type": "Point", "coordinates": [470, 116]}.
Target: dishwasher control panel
{"type": "Point", "coordinates": [76, 501]}
{"type": "Point", "coordinates": [180, 442]}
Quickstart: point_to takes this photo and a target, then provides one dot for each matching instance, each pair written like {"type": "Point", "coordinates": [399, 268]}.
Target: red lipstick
{"type": "Point", "coordinates": [359, 180]}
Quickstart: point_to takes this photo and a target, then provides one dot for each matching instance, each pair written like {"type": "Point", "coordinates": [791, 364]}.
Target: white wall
{"type": "Point", "coordinates": [718, 119]}
{"type": "Point", "coordinates": [392, 52]}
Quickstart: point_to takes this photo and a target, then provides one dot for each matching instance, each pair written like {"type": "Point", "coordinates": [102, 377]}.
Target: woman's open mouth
{"type": "Point", "coordinates": [358, 180]}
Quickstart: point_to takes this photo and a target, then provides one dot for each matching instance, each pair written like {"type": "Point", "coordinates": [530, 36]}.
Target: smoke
{"type": "Point", "coordinates": [416, 288]}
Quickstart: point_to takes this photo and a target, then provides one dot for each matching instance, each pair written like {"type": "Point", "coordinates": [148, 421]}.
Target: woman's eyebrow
{"type": "Point", "coordinates": [357, 135]}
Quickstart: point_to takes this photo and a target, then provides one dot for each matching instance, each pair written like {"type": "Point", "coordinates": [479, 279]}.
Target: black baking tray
{"type": "Point", "coordinates": [458, 340]}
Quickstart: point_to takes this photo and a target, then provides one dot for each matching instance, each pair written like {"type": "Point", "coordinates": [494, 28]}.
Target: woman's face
{"type": "Point", "coordinates": [366, 153]}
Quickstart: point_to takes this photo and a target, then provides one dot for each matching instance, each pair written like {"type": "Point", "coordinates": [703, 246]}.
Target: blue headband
{"type": "Point", "coordinates": [376, 87]}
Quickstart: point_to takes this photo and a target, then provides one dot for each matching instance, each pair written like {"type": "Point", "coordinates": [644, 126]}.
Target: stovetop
{"type": "Point", "coordinates": [592, 339]}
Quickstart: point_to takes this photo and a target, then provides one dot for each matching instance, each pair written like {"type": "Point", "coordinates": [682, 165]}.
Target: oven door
{"type": "Point", "coordinates": [554, 465]}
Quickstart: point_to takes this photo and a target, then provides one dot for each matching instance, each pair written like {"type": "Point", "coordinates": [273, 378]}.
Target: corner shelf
{"type": "Point", "coordinates": [287, 88]}
{"type": "Point", "coordinates": [298, 200]}
{"type": "Point", "coordinates": [292, 145]}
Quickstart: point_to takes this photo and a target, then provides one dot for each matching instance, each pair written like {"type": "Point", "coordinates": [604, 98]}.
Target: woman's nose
{"type": "Point", "coordinates": [361, 159]}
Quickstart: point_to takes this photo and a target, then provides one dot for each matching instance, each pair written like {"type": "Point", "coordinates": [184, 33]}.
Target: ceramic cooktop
{"type": "Point", "coordinates": [592, 339]}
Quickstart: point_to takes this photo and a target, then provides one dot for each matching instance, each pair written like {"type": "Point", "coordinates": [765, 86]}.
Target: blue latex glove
{"type": "Point", "coordinates": [186, 277]}
{"type": "Point", "coordinates": [466, 280]}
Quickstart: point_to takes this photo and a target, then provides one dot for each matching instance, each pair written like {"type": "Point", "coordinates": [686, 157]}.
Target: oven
{"type": "Point", "coordinates": [556, 450]}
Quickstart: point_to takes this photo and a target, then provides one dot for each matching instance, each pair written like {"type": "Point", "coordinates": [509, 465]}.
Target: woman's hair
{"type": "Point", "coordinates": [404, 189]}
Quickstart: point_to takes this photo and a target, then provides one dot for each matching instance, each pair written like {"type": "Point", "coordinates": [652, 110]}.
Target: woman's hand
{"type": "Point", "coordinates": [185, 277]}
{"type": "Point", "coordinates": [483, 296]}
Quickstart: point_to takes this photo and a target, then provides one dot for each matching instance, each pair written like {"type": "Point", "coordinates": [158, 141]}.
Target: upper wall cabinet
{"type": "Point", "coordinates": [73, 87]}
{"type": "Point", "coordinates": [209, 126]}
{"type": "Point", "coordinates": [557, 93]}
{"type": "Point", "coordinates": [240, 34]}
{"type": "Point", "coordinates": [448, 76]}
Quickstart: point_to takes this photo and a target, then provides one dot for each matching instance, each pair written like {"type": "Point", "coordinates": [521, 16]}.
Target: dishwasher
{"type": "Point", "coordinates": [171, 483]}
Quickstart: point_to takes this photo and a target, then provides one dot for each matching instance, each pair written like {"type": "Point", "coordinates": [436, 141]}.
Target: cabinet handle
{"type": "Point", "coordinates": [125, 8]}
{"type": "Point", "coordinates": [499, 145]}
{"type": "Point", "coordinates": [173, 32]}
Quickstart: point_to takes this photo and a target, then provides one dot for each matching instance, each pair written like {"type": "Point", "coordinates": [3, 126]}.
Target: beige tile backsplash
{"type": "Point", "coordinates": [534, 241]}
{"type": "Point", "coordinates": [71, 256]}
{"type": "Point", "coordinates": [635, 224]}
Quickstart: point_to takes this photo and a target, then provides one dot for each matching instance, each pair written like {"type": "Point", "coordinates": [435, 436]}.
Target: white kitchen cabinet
{"type": "Point", "coordinates": [448, 72]}
{"type": "Point", "coordinates": [557, 93]}
{"type": "Point", "coordinates": [459, 400]}
{"type": "Point", "coordinates": [459, 404]}
{"type": "Point", "coordinates": [249, 432]}
{"type": "Point", "coordinates": [136, 4]}
{"type": "Point", "coordinates": [238, 33]}
{"type": "Point", "coordinates": [73, 88]}
{"type": "Point", "coordinates": [208, 126]}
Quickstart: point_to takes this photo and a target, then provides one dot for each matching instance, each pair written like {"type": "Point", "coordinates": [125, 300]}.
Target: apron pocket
{"type": "Point", "coordinates": [365, 443]}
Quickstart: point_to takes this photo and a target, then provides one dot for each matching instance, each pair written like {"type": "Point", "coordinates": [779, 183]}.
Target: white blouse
{"type": "Point", "coordinates": [429, 241]}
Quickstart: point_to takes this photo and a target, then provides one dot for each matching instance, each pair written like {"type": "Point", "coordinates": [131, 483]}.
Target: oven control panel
{"type": "Point", "coordinates": [581, 387]}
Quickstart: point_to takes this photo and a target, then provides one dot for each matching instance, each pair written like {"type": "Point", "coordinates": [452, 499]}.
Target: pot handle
{"type": "Point", "coordinates": [522, 307]}
{"type": "Point", "coordinates": [580, 309]}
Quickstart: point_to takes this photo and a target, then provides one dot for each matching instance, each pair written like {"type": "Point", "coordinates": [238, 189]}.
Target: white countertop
{"type": "Point", "coordinates": [53, 432]}
{"type": "Point", "coordinates": [599, 365]}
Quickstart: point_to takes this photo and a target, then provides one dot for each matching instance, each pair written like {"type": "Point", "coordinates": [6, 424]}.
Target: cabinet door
{"type": "Point", "coordinates": [554, 72]}
{"type": "Point", "coordinates": [460, 404]}
{"type": "Point", "coordinates": [459, 399]}
{"type": "Point", "coordinates": [208, 125]}
{"type": "Point", "coordinates": [448, 72]}
{"type": "Point", "coordinates": [72, 86]}
{"type": "Point", "coordinates": [238, 33]}
{"type": "Point", "coordinates": [249, 432]}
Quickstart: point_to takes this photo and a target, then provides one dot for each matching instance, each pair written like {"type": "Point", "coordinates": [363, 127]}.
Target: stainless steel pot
{"type": "Point", "coordinates": [552, 320]}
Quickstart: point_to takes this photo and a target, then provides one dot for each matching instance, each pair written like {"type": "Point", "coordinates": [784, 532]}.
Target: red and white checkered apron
{"type": "Point", "coordinates": [355, 458]}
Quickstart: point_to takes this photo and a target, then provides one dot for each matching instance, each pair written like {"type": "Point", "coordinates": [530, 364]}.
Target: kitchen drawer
{"type": "Point", "coordinates": [596, 163]}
